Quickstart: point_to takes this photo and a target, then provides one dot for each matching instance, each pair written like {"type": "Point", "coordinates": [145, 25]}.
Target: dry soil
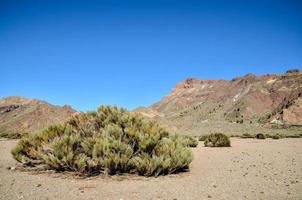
{"type": "Point", "coordinates": [250, 169]}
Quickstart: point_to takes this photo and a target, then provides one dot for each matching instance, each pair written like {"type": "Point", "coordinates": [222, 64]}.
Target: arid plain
{"type": "Point", "coordinates": [250, 169]}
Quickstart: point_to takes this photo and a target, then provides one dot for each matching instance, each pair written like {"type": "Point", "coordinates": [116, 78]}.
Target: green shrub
{"type": "Point", "coordinates": [111, 140]}
{"type": "Point", "coordinates": [189, 141]}
{"type": "Point", "coordinates": [260, 136]}
{"type": "Point", "coordinates": [217, 140]}
{"type": "Point", "coordinates": [203, 137]}
{"type": "Point", "coordinates": [247, 135]}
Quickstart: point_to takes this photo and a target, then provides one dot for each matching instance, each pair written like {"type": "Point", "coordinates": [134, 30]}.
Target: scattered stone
{"type": "Point", "coordinates": [11, 168]}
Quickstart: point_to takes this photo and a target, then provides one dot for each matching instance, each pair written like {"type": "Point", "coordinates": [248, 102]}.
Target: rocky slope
{"type": "Point", "coordinates": [20, 115]}
{"type": "Point", "coordinates": [249, 103]}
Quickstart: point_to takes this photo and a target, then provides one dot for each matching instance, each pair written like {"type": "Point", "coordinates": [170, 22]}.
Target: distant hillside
{"type": "Point", "coordinates": [20, 115]}
{"type": "Point", "coordinates": [249, 103]}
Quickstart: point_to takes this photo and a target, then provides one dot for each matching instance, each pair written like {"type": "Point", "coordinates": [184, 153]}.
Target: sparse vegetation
{"type": "Point", "coordinates": [217, 140]}
{"type": "Point", "coordinates": [247, 135]}
{"type": "Point", "coordinates": [276, 137]}
{"type": "Point", "coordinates": [12, 135]}
{"type": "Point", "coordinates": [297, 135]}
{"type": "Point", "coordinates": [203, 137]}
{"type": "Point", "coordinates": [111, 140]}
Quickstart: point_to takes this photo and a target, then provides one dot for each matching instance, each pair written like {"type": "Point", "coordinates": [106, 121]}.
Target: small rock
{"type": "Point", "coordinates": [11, 168]}
{"type": "Point", "coordinates": [209, 196]}
{"type": "Point", "coordinates": [39, 185]}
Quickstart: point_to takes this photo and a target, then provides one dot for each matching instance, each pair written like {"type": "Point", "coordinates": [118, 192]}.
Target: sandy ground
{"type": "Point", "coordinates": [250, 169]}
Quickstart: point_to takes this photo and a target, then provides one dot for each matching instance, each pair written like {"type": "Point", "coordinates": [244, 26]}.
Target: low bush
{"type": "Point", "coordinates": [217, 140]}
{"type": "Point", "coordinates": [111, 140]}
{"type": "Point", "coordinates": [260, 136]}
{"type": "Point", "coordinates": [276, 137]}
{"type": "Point", "coordinates": [189, 141]}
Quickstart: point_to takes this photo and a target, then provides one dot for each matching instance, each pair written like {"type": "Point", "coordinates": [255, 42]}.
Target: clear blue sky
{"type": "Point", "coordinates": [132, 53]}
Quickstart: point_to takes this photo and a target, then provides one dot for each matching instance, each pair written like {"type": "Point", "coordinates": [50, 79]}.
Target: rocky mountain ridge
{"type": "Point", "coordinates": [19, 115]}
{"type": "Point", "coordinates": [257, 102]}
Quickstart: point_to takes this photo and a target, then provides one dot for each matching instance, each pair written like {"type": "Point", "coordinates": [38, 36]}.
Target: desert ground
{"type": "Point", "coordinates": [250, 169]}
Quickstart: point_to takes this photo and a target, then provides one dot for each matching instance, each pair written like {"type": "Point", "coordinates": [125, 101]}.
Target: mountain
{"type": "Point", "coordinates": [243, 104]}
{"type": "Point", "coordinates": [19, 115]}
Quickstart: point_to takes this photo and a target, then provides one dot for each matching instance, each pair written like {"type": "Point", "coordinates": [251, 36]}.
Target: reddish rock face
{"type": "Point", "coordinates": [20, 115]}
{"type": "Point", "coordinates": [247, 99]}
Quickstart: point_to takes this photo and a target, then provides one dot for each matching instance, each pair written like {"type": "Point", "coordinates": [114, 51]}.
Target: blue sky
{"type": "Point", "coordinates": [132, 53]}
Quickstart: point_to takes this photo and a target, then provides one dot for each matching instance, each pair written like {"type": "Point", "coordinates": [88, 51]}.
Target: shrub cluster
{"type": "Point", "coordinates": [111, 140]}
{"type": "Point", "coordinates": [217, 140]}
